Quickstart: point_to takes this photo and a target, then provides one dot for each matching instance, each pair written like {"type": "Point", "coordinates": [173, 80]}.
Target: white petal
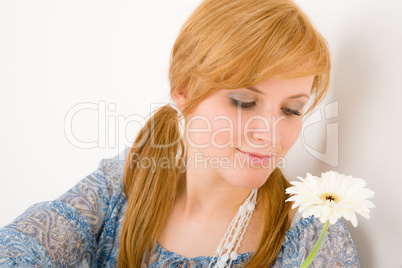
{"type": "Point", "coordinates": [353, 219]}
{"type": "Point", "coordinates": [333, 218]}
{"type": "Point", "coordinates": [323, 219]}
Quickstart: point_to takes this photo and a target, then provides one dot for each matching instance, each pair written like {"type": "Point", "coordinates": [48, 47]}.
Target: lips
{"type": "Point", "coordinates": [256, 158]}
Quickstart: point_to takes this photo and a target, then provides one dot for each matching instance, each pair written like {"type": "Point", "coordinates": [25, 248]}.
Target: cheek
{"type": "Point", "coordinates": [223, 127]}
{"type": "Point", "coordinates": [198, 132]}
{"type": "Point", "coordinates": [212, 132]}
{"type": "Point", "coordinates": [223, 132]}
{"type": "Point", "coordinates": [289, 133]}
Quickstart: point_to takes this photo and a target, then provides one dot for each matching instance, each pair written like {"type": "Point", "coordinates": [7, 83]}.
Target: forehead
{"type": "Point", "coordinates": [278, 86]}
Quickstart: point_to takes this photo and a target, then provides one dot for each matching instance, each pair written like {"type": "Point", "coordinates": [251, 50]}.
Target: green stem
{"type": "Point", "coordinates": [317, 245]}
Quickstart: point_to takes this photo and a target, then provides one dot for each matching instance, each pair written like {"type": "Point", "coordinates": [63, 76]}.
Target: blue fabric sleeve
{"type": "Point", "coordinates": [65, 232]}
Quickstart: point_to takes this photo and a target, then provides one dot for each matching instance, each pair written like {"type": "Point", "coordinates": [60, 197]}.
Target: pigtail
{"type": "Point", "coordinates": [150, 181]}
{"type": "Point", "coordinates": [275, 219]}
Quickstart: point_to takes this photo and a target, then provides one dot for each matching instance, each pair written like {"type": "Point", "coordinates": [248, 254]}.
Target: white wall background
{"type": "Point", "coordinates": [113, 57]}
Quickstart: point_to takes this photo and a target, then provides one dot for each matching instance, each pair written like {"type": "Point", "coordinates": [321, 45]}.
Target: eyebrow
{"type": "Point", "coordinates": [291, 97]}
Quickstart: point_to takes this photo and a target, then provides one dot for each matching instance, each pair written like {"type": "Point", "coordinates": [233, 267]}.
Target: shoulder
{"type": "Point", "coordinates": [100, 192]}
{"type": "Point", "coordinates": [112, 169]}
{"type": "Point", "coordinates": [337, 249]}
{"type": "Point", "coordinates": [78, 227]}
{"type": "Point", "coordinates": [103, 183]}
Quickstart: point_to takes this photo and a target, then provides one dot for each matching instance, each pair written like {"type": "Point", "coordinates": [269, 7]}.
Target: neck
{"type": "Point", "coordinates": [205, 197]}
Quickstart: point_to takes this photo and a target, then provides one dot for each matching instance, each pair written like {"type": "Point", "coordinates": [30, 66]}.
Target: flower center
{"type": "Point", "coordinates": [330, 196]}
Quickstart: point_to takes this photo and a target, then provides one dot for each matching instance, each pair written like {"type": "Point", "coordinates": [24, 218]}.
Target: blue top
{"type": "Point", "coordinates": [81, 228]}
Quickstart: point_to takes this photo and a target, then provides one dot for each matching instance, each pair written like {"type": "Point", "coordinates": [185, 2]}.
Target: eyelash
{"type": "Point", "coordinates": [289, 112]}
{"type": "Point", "coordinates": [248, 105]}
{"type": "Point", "coordinates": [243, 105]}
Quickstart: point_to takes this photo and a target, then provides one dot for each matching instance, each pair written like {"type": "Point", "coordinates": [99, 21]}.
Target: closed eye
{"type": "Point", "coordinates": [243, 105]}
{"type": "Point", "coordinates": [290, 112]}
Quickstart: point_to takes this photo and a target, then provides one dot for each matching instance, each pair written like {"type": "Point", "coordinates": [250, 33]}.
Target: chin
{"type": "Point", "coordinates": [250, 182]}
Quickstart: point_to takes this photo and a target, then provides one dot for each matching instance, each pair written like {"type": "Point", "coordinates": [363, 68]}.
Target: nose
{"type": "Point", "coordinates": [265, 132]}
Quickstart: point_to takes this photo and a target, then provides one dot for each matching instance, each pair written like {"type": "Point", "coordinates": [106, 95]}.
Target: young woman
{"type": "Point", "coordinates": [200, 186]}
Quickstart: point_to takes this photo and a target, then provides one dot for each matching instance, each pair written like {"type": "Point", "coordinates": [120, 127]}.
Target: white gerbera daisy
{"type": "Point", "coordinates": [331, 197]}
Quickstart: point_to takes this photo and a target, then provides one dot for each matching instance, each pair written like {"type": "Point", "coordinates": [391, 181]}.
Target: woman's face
{"type": "Point", "coordinates": [240, 136]}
